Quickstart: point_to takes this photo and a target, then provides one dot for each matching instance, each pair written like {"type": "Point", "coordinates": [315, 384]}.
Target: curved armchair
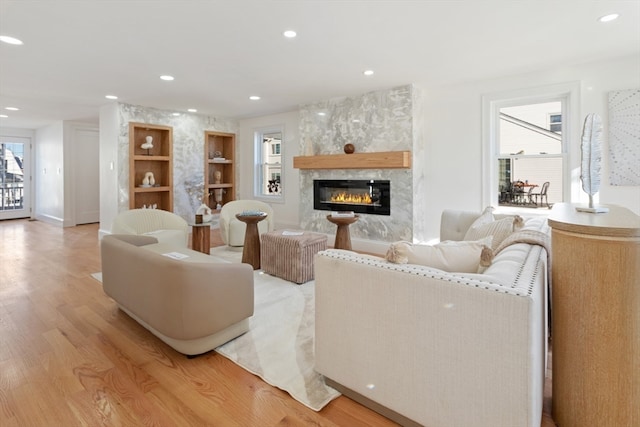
{"type": "Point", "coordinates": [232, 230]}
{"type": "Point", "coordinates": [165, 226]}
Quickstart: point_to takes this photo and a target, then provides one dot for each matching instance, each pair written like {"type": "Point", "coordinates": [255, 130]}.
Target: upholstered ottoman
{"type": "Point", "coordinates": [289, 254]}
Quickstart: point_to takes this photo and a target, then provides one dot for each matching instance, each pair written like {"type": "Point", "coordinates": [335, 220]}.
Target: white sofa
{"type": "Point", "coordinates": [427, 347]}
{"type": "Point", "coordinates": [193, 304]}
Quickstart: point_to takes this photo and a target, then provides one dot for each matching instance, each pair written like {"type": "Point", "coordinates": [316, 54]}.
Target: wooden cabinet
{"type": "Point", "coordinates": [150, 156]}
{"type": "Point", "coordinates": [219, 167]}
{"type": "Point", "coordinates": [596, 317]}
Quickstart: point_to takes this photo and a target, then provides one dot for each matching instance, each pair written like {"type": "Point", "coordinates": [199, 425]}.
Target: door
{"type": "Point", "coordinates": [87, 184]}
{"type": "Point", "coordinates": [15, 177]}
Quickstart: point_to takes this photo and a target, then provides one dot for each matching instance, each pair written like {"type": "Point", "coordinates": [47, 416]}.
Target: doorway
{"type": "Point", "coordinates": [15, 177]}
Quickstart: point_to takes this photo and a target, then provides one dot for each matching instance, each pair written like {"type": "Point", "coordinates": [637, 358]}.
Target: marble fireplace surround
{"type": "Point", "coordinates": [376, 122]}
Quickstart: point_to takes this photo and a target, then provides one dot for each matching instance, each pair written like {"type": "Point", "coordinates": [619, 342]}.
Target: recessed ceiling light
{"type": "Point", "coordinates": [254, 97]}
{"type": "Point", "coordinates": [11, 108]}
{"type": "Point", "coordinates": [111, 97]}
{"type": "Point", "coordinates": [10, 40]}
{"type": "Point", "coordinates": [192, 110]}
{"type": "Point", "coordinates": [167, 78]}
{"type": "Point", "coordinates": [322, 113]}
{"type": "Point", "coordinates": [175, 114]}
{"type": "Point", "coordinates": [289, 34]}
{"type": "Point", "coordinates": [368, 72]}
{"type": "Point", "coordinates": [608, 18]}
{"type": "Point", "coordinates": [3, 116]}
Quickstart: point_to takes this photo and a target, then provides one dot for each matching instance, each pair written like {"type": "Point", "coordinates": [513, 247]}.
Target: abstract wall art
{"type": "Point", "coordinates": [624, 137]}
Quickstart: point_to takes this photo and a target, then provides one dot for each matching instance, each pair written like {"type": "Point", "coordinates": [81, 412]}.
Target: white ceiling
{"type": "Point", "coordinates": [222, 51]}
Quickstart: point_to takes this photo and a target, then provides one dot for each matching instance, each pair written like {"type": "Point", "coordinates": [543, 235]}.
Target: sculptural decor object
{"type": "Point", "coordinates": [218, 196]}
{"type": "Point", "coordinates": [148, 144]}
{"type": "Point", "coordinates": [206, 213]}
{"type": "Point", "coordinates": [148, 180]}
{"type": "Point", "coordinates": [591, 160]}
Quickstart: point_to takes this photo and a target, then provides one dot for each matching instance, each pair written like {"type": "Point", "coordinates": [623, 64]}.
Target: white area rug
{"type": "Point", "coordinates": [279, 346]}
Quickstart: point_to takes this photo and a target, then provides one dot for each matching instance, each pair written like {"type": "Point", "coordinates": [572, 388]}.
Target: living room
{"type": "Point", "coordinates": [443, 123]}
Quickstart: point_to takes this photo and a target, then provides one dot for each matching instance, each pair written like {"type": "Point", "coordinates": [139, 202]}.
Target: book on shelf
{"type": "Point", "coordinates": [343, 214]}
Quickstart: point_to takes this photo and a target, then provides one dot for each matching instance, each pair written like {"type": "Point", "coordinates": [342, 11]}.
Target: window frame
{"type": "Point", "coordinates": [568, 94]}
{"type": "Point", "coordinates": [258, 137]}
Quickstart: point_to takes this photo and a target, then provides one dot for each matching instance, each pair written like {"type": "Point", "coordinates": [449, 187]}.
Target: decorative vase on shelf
{"type": "Point", "coordinates": [218, 197]}
{"type": "Point", "coordinates": [349, 148]}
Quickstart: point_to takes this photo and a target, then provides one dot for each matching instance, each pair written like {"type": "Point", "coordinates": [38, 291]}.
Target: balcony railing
{"type": "Point", "coordinates": [12, 196]}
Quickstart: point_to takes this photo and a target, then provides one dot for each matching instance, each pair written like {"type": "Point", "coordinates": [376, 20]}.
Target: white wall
{"type": "Point", "coordinates": [48, 174]}
{"type": "Point", "coordinates": [287, 213]}
{"type": "Point", "coordinates": [453, 132]}
{"type": "Point", "coordinates": [109, 167]}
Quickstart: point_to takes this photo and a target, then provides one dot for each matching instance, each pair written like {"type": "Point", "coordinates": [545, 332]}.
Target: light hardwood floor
{"type": "Point", "coordinates": [69, 357]}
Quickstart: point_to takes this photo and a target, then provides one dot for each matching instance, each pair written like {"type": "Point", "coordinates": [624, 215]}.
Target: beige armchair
{"type": "Point", "coordinates": [165, 226]}
{"type": "Point", "coordinates": [232, 230]}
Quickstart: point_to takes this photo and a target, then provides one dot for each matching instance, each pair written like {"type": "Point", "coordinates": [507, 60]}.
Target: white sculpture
{"type": "Point", "coordinates": [148, 144]}
{"type": "Point", "coordinates": [591, 159]}
{"type": "Point", "coordinates": [205, 211]}
{"type": "Point", "coordinates": [217, 177]}
{"type": "Point", "coordinates": [148, 180]}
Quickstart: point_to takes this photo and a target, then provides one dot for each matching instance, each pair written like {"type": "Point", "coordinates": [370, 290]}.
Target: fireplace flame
{"type": "Point", "coordinates": [344, 197]}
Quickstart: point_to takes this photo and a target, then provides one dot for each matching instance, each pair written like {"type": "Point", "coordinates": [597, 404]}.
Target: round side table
{"type": "Point", "coordinates": [251, 249]}
{"type": "Point", "coordinates": [343, 238]}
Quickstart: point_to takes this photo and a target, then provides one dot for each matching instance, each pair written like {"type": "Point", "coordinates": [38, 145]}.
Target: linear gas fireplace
{"type": "Point", "coordinates": [359, 196]}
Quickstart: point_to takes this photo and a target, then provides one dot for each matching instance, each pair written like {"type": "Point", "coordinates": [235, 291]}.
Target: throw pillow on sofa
{"type": "Point", "coordinates": [499, 229]}
{"type": "Point", "coordinates": [451, 256]}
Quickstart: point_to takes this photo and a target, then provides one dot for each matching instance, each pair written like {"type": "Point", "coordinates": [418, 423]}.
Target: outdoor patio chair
{"type": "Point", "coordinates": [542, 195]}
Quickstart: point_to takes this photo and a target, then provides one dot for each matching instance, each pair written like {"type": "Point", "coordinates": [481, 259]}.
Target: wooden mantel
{"type": "Point", "coordinates": [381, 160]}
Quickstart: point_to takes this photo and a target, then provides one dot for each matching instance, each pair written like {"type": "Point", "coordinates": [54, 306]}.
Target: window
{"type": "Point", "coordinates": [525, 139]}
{"type": "Point", "coordinates": [529, 152]}
{"type": "Point", "coordinates": [268, 159]}
{"type": "Point", "coordinates": [555, 122]}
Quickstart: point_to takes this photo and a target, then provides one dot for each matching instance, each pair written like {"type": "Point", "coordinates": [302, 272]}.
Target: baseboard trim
{"type": "Point", "coordinates": [374, 406]}
{"type": "Point", "coordinates": [49, 219]}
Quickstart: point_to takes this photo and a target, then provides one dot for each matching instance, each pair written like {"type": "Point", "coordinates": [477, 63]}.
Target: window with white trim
{"type": "Point", "coordinates": [526, 139]}
{"type": "Point", "coordinates": [268, 183]}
